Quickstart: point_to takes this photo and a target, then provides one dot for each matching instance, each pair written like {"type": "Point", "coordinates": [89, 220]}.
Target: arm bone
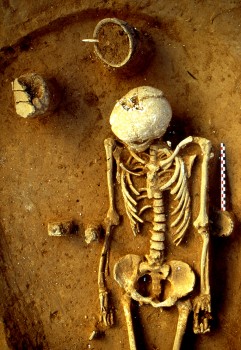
{"type": "Point", "coordinates": [112, 219]}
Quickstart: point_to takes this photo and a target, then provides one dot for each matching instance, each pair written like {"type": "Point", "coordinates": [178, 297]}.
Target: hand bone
{"type": "Point", "coordinates": [202, 314]}
{"type": "Point", "coordinates": [106, 317]}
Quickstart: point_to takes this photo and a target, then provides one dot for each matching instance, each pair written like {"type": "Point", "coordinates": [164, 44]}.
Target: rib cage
{"type": "Point", "coordinates": [175, 182]}
{"type": "Point", "coordinates": [182, 212]}
{"type": "Point", "coordinates": [130, 203]}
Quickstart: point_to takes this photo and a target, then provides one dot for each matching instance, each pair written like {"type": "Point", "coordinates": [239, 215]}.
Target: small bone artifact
{"type": "Point", "coordinates": [92, 233]}
{"type": "Point", "coordinates": [139, 120]}
{"type": "Point", "coordinates": [61, 228]}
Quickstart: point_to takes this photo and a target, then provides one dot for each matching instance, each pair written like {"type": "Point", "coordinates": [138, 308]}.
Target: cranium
{"type": "Point", "coordinates": [141, 116]}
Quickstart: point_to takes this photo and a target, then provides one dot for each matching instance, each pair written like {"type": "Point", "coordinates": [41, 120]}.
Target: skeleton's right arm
{"type": "Point", "coordinates": [112, 219]}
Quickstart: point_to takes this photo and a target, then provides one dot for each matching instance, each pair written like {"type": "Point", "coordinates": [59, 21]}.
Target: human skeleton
{"type": "Point", "coordinates": [139, 120]}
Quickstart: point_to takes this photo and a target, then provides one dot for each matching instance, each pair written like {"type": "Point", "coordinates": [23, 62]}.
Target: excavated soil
{"type": "Point", "coordinates": [54, 168]}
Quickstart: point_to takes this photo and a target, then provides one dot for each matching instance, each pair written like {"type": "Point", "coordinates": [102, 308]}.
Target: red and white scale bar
{"type": "Point", "coordinates": [223, 176]}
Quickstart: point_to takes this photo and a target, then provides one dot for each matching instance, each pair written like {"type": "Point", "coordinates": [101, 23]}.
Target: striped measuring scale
{"type": "Point", "coordinates": [223, 176]}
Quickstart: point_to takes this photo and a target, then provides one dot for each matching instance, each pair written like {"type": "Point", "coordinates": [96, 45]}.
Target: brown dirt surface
{"type": "Point", "coordinates": [53, 168]}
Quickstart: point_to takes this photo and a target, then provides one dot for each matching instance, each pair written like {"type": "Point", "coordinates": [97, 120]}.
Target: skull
{"type": "Point", "coordinates": [141, 116]}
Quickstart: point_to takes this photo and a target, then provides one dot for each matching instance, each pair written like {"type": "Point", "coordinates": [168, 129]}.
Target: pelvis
{"type": "Point", "coordinates": [174, 279]}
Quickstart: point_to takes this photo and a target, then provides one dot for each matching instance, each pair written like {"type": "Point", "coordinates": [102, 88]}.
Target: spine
{"type": "Point", "coordinates": [157, 245]}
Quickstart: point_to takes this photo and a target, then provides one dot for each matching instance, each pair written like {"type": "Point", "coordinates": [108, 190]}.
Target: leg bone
{"type": "Point", "coordinates": [184, 308]}
{"type": "Point", "coordinates": [126, 301]}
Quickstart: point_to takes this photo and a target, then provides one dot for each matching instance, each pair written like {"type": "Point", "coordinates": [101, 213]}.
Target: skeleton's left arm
{"type": "Point", "coordinates": [202, 304]}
